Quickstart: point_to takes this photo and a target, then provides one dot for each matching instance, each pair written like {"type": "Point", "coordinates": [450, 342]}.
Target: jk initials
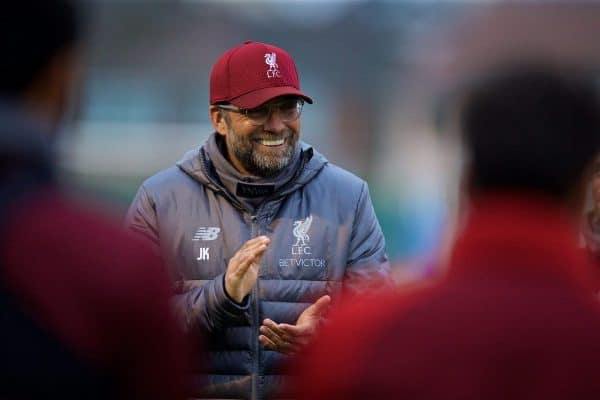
{"type": "Point", "coordinates": [204, 256]}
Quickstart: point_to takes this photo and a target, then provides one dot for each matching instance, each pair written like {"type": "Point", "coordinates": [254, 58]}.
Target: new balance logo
{"type": "Point", "coordinates": [208, 233]}
{"type": "Point", "coordinates": [204, 256]}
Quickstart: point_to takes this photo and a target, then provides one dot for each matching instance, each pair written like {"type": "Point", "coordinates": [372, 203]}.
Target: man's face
{"type": "Point", "coordinates": [266, 149]}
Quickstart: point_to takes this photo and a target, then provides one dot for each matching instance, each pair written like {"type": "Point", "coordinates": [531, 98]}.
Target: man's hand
{"type": "Point", "coordinates": [290, 339]}
{"type": "Point", "coordinates": [242, 270]}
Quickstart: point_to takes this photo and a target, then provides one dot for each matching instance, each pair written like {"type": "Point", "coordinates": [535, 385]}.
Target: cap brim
{"type": "Point", "coordinates": [261, 96]}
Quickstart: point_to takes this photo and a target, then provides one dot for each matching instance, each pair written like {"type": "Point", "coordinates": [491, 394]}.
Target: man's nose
{"type": "Point", "coordinates": [274, 123]}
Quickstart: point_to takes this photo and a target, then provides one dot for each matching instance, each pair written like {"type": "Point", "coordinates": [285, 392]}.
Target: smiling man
{"type": "Point", "coordinates": [258, 229]}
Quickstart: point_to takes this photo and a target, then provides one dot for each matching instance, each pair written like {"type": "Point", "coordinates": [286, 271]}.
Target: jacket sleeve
{"type": "Point", "coordinates": [141, 217]}
{"type": "Point", "coordinates": [205, 307]}
{"type": "Point", "coordinates": [368, 267]}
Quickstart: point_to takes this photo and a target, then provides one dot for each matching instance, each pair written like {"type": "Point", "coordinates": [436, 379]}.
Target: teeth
{"type": "Point", "coordinates": [277, 142]}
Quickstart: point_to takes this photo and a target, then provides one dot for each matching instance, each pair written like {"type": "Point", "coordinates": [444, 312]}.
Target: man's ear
{"type": "Point", "coordinates": [218, 119]}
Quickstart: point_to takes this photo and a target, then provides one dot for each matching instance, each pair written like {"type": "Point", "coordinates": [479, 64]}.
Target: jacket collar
{"type": "Point", "coordinates": [197, 164]}
{"type": "Point", "coordinates": [520, 236]}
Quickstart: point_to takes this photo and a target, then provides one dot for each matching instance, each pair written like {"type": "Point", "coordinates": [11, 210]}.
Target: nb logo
{"type": "Point", "coordinates": [204, 256]}
{"type": "Point", "coordinates": [208, 233]}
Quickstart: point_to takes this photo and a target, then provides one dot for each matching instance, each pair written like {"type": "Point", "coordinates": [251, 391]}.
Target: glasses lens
{"type": "Point", "coordinates": [259, 114]}
{"type": "Point", "coordinates": [289, 110]}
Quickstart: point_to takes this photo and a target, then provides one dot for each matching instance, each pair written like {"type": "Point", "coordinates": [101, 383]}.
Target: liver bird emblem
{"type": "Point", "coordinates": [301, 231]}
{"type": "Point", "coordinates": [271, 60]}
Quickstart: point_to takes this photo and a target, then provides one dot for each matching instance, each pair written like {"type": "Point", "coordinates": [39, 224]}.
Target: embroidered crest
{"type": "Point", "coordinates": [271, 61]}
{"type": "Point", "coordinates": [300, 231]}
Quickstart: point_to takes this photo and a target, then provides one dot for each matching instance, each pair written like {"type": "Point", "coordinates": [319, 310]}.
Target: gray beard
{"type": "Point", "coordinates": [261, 165]}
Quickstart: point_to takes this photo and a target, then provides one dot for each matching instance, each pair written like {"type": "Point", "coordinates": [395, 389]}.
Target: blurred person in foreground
{"type": "Point", "coordinates": [515, 316]}
{"type": "Point", "coordinates": [590, 229]}
{"type": "Point", "coordinates": [260, 230]}
{"type": "Point", "coordinates": [591, 223]}
{"type": "Point", "coordinates": [84, 306]}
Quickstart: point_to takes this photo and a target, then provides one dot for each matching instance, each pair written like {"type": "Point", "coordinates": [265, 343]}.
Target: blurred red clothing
{"type": "Point", "coordinates": [515, 318]}
{"type": "Point", "coordinates": [99, 292]}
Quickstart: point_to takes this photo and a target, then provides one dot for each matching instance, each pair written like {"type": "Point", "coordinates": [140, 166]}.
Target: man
{"type": "Point", "coordinates": [515, 317]}
{"type": "Point", "coordinates": [591, 223]}
{"type": "Point", "coordinates": [590, 229]}
{"type": "Point", "coordinates": [85, 309]}
{"type": "Point", "coordinates": [258, 228]}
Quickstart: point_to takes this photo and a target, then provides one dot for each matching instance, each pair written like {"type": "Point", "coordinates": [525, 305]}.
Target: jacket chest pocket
{"type": "Point", "coordinates": [300, 250]}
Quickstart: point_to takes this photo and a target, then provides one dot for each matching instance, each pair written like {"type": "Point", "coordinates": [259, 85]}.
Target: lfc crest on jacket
{"type": "Point", "coordinates": [301, 252]}
{"type": "Point", "coordinates": [300, 231]}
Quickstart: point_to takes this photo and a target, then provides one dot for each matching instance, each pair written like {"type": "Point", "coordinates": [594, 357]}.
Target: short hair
{"type": "Point", "coordinates": [32, 32]}
{"type": "Point", "coordinates": [532, 128]}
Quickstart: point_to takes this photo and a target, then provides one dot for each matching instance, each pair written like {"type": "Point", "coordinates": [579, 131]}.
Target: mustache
{"type": "Point", "coordinates": [263, 135]}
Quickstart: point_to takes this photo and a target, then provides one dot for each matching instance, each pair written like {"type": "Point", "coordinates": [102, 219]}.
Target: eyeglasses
{"type": "Point", "coordinates": [289, 110]}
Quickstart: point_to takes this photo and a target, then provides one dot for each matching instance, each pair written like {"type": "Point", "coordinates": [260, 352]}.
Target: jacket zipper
{"type": "Point", "coordinates": [255, 320]}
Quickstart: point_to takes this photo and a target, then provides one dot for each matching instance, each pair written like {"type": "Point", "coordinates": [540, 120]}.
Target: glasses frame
{"type": "Point", "coordinates": [272, 107]}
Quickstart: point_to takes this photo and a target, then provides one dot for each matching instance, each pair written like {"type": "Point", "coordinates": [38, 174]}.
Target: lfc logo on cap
{"type": "Point", "coordinates": [271, 61]}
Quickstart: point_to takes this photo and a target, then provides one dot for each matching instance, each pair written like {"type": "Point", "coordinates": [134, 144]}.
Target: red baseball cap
{"type": "Point", "coordinates": [253, 73]}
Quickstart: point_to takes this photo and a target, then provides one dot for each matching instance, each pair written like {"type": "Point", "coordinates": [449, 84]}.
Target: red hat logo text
{"type": "Point", "coordinates": [271, 61]}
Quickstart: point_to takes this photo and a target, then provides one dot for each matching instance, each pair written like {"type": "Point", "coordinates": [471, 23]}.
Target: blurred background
{"type": "Point", "coordinates": [380, 72]}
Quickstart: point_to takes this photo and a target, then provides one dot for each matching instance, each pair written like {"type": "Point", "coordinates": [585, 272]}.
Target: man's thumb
{"type": "Point", "coordinates": [320, 306]}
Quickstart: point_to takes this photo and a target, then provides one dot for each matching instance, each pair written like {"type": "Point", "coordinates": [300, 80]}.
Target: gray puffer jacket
{"type": "Point", "coordinates": [325, 239]}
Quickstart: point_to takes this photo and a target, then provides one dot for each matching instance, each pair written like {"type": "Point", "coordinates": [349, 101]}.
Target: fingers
{"type": "Point", "coordinates": [320, 306]}
{"type": "Point", "coordinates": [287, 338]}
{"type": "Point", "coordinates": [285, 332]}
{"type": "Point", "coordinates": [247, 259]}
{"type": "Point", "coordinates": [276, 339]}
{"type": "Point", "coordinates": [253, 247]}
{"type": "Point", "coordinates": [268, 343]}
{"type": "Point", "coordinates": [273, 341]}
{"type": "Point", "coordinates": [255, 242]}
{"type": "Point", "coordinates": [250, 252]}
{"type": "Point", "coordinates": [288, 330]}
{"type": "Point", "coordinates": [273, 327]}
{"type": "Point", "coordinates": [242, 269]}
{"type": "Point", "coordinates": [285, 348]}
